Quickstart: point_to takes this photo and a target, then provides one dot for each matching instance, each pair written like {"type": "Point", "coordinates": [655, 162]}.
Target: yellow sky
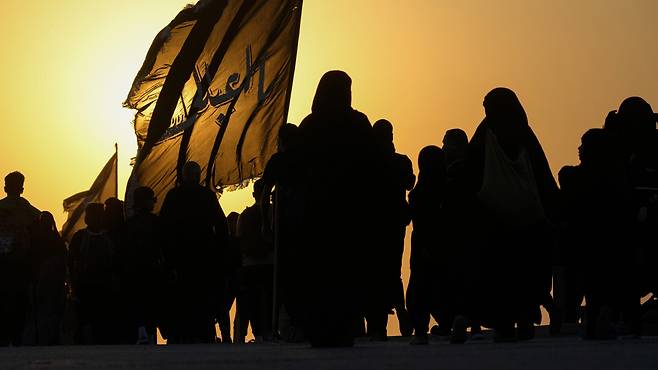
{"type": "Point", "coordinates": [67, 65]}
{"type": "Point", "coordinates": [425, 65]}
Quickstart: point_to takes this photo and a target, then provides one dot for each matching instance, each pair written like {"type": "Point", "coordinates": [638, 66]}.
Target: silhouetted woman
{"type": "Point", "coordinates": [338, 151]}
{"type": "Point", "coordinates": [91, 262]}
{"type": "Point", "coordinates": [114, 226]}
{"type": "Point", "coordinates": [142, 274]}
{"type": "Point", "coordinates": [48, 253]}
{"type": "Point", "coordinates": [510, 176]}
{"type": "Point", "coordinates": [394, 177]}
{"type": "Point", "coordinates": [284, 189]}
{"type": "Point", "coordinates": [636, 123]}
{"type": "Point", "coordinates": [597, 199]}
{"type": "Point", "coordinates": [426, 201]}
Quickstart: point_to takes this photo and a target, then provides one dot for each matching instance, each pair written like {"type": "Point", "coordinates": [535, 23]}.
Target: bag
{"type": "Point", "coordinates": [509, 190]}
{"type": "Point", "coordinates": [12, 239]}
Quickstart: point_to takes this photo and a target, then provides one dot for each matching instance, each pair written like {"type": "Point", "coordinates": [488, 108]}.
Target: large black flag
{"type": "Point", "coordinates": [214, 88]}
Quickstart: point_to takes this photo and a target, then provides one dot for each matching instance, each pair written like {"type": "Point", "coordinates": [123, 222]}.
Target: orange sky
{"type": "Point", "coordinates": [425, 65]}
{"type": "Point", "coordinates": [67, 65]}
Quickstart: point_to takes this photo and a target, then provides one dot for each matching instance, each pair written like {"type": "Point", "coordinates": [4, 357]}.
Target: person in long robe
{"type": "Point", "coordinates": [142, 273]}
{"type": "Point", "coordinates": [426, 202]}
{"type": "Point", "coordinates": [284, 198]}
{"type": "Point", "coordinates": [337, 146]}
{"type": "Point", "coordinates": [509, 175]}
{"type": "Point", "coordinates": [394, 177]}
{"type": "Point", "coordinates": [197, 233]}
{"type": "Point", "coordinates": [598, 217]}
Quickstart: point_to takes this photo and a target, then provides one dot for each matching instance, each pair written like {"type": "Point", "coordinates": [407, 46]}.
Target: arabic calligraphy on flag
{"type": "Point", "coordinates": [214, 88]}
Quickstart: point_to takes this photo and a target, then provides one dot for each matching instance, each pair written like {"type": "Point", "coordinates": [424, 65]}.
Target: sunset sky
{"type": "Point", "coordinates": [426, 65]}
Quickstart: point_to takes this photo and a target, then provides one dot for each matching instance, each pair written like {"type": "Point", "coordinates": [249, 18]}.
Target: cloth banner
{"type": "Point", "coordinates": [214, 88]}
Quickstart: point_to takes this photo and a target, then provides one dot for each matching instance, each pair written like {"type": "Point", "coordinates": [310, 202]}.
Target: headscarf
{"type": "Point", "coordinates": [431, 168]}
{"type": "Point", "coordinates": [383, 134]}
{"type": "Point", "coordinates": [334, 93]}
{"type": "Point", "coordinates": [506, 118]}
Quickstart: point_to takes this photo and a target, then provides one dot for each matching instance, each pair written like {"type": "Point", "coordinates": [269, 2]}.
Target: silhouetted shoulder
{"type": "Point", "coordinates": [76, 241]}
{"type": "Point", "coordinates": [21, 206]}
{"type": "Point", "coordinates": [568, 175]}
{"type": "Point", "coordinates": [360, 117]}
{"type": "Point", "coordinates": [403, 160]}
{"type": "Point", "coordinates": [282, 167]}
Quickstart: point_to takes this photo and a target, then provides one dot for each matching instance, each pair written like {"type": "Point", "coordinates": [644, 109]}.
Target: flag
{"type": "Point", "coordinates": [214, 88]}
{"type": "Point", "coordinates": [105, 186]}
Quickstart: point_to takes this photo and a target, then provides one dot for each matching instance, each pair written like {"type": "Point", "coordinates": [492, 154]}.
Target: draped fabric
{"type": "Point", "coordinates": [214, 89]}
{"type": "Point", "coordinates": [105, 186]}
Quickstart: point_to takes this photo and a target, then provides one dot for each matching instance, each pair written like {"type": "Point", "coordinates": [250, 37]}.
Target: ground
{"type": "Point", "coordinates": [542, 353]}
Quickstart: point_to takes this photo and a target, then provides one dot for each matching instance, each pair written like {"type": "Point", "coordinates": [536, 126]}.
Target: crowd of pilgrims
{"type": "Point", "coordinates": [494, 238]}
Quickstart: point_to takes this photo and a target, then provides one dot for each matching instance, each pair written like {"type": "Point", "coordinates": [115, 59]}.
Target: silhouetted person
{"type": "Point", "coordinates": [231, 263]}
{"type": "Point", "coordinates": [113, 215]}
{"type": "Point", "coordinates": [598, 216]}
{"type": "Point", "coordinates": [255, 303]}
{"type": "Point", "coordinates": [142, 268]}
{"type": "Point", "coordinates": [93, 281]}
{"type": "Point", "coordinates": [17, 216]}
{"type": "Point", "coordinates": [455, 146]}
{"type": "Point", "coordinates": [338, 151]}
{"type": "Point", "coordinates": [457, 263]}
{"type": "Point", "coordinates": [426, 202]}
{"type": "Point", "coordinates": [394, 177]}
{"type": "Point", "coordinates": [48, 259]}
{"type": "Point", "coordinates": [114, 226]}
{"type": "Point", "coordinates": [286, 173]}
{"type": "Point", "coordinates": [511, 179]}
{"type": "Point", "coordinates": [636, 121]}
{"type": "Point", "coordinates": [196, 234]}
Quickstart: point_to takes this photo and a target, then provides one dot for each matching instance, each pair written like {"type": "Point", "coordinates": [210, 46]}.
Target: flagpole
{"type": "Point", "coordinates": [116, 173]}
{"type": "Point", "coordinates": [276, 214]}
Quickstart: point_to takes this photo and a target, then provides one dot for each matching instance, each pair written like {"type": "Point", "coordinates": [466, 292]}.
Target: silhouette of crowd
{"type": "Point", "coordinates": [318, 255]}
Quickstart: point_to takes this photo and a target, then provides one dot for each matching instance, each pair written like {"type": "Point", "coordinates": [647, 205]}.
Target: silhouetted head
{"type": "Point", "coordinates": [144, 199]}
{"type": "Point", "coordinates": [506, 118]}
{"type": "Point", "coordinates": [382, 130]}
{"type": "Point", "coordinates": [191, 173]}
{"type": "Point", "coordinates": [94, 216]}
{"type": "Point", "coordinates": [334, 93]}
{"type": "Point", "coordinates": [503, 109]}
{"type": "Point", "coordinates": [232, 220]}
{"type": "Point", "coordinates": [289, 138]}
{"type": "Point", "coordinates": [596, 147]}
{"type": "Point", "coordinates": [46, 222]}
{"type": "Point", "coordinates": [14, 184]}
{"type": "Point", "coordinates": [113, 215]}
{"type": "Point", "coordinates": [455, 144]}
{"type": "Point", "coordinates": [431, 164]}
{"type": "Point", "coordinates": [636, 117]}
{"type": "Point", "coordinates": [259, 186]}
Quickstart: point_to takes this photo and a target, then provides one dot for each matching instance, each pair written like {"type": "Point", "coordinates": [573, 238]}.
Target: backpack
{"type": "Point", "coordinates": [12, 236]}
{"type": "Point", "coordinates": [509, 190]}
{"type": "Point", "coordinates": [7, 242]}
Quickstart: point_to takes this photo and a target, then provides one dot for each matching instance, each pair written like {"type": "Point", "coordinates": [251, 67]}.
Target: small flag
{"type": "Point", "coordinates": [104, 187]}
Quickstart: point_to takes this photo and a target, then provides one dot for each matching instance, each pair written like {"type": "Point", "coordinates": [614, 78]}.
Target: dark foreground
{"type": "Point", "coordinates": [542, 353]}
